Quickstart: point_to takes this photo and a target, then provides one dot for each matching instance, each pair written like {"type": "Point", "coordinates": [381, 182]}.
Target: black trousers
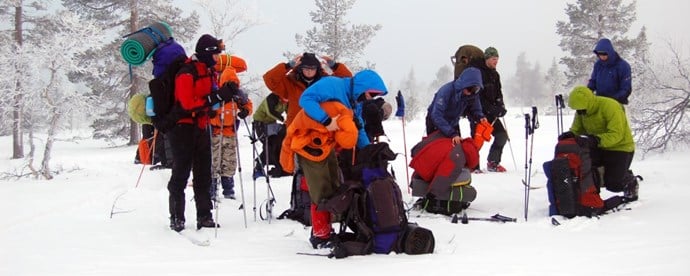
{"type": "Point", "coordinates": [616, 165]}
{"type": "Point", "coordinates": [191, 148]}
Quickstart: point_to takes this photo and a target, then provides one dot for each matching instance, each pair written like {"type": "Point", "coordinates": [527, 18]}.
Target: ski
{"type": "Point", "coordinates": [531, 187]}
{"type": "Point", "coordinates": [464, 219]}
{"type": "Point", "coordinates": [622, 207]}
{"type": "Point", "coordinates": [195, 237]}
{"type": "Point", "coordinates": [314, 254]}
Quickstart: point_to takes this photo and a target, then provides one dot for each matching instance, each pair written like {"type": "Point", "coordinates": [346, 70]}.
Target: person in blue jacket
{"type": "Point", "coordinates": [611, 76]}
{"type": "Point", "coordinates": [351, 92]}
{"type": "Point", "coordinates": [453, 100]}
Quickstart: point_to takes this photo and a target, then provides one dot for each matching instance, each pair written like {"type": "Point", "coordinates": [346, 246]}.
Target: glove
{"type": "Point", "coordinates": [501, 111]}
{"type": "Point", "coordinates": [400, 101]}
{"type": "Point", "coordinates": [593, 140]}
{"type": "Point", "coordinates": [224, 94]}
{"type": "Point", "coordinates": [566, 135]}
{"type": "Point", "coordinates": [243, 113]}
{"type": "Point", "coordinates": [212, 113]}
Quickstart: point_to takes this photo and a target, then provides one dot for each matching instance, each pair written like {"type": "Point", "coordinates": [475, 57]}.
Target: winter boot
{"type": "Point", "coordinates": [493, 166]}
{"type": "Point", "coordinates": [206, 222]}
{"type": "Point", "coordinates": [176, 224]}
{"type": "Point", "coordinates": [320, 229]}
{"type": "Point", "coordinates": [228, 184]}
{"type": "Point", "coordinates": [258, 171]}
{"type": "Point", "coordinates": [632, 187]}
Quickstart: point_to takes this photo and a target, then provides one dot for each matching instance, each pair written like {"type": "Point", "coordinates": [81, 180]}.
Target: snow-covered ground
{"type": "Point", "coordinates": [64, 226]}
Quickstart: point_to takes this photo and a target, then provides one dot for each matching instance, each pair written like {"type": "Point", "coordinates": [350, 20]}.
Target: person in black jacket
{"type": "Point", "coordinates": [491, 98]}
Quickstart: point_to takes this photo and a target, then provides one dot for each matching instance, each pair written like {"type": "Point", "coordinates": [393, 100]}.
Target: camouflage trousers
{"type": "Point", "coordinates": [224, 156]}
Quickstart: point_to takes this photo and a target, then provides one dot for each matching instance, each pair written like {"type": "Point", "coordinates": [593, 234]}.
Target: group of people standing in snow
{"type": "Point", "coordinates": [323, 101]}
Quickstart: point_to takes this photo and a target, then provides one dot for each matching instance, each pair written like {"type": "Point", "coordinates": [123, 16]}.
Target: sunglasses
{"type": "Point", "coordinates": [602, 54]}
{"type": "Point", "coordinates": [210, 49]}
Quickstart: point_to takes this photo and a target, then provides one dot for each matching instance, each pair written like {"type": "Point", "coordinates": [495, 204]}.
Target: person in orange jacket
{"type": "Point", "coordinates": [289, 80]}
{"type": "Point", "coordinates": [224, 125]}
{"type": "Point", "coordinates": [315, 148]}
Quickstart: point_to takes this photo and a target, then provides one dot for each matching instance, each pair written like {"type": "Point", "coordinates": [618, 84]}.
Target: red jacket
{"type": "Point", "coordinates": [192, 94]}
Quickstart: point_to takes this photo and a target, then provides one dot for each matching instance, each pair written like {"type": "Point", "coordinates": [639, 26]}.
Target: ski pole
{"type": "Point", "coordinates": [524, 181]}
{"type": "Point", "coordinates": [534, 125]}
{"type": "Point", "coordinates": [271, 198]}
{"type": "Point", "coordinates": [559, 113]}
{"type": "Point", "coordinates": [239, 167]}
{"type": "Point", "coordinates": [510, 145]}
{"type": "Point", "coordinates": [219, 166]}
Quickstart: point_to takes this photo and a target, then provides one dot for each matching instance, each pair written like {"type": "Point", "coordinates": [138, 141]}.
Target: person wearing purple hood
{"type": "Point", "coordinates": [611, 76]}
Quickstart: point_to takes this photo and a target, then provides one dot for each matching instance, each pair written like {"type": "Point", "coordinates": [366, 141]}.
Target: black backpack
{"type": "Point", "coordinates": [373, 210]}
{"type": "Point", "coordinates": [162, 89]}
{"type": "Point", "coordinates": [300, 203]}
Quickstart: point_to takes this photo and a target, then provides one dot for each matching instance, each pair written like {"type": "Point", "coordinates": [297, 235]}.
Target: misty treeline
{"type": "Point", "coordinates": [63, 68]}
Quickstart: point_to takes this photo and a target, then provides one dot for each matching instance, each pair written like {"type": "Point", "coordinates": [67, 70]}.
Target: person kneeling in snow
{"type": "Point", "coordinates": [612, 148]}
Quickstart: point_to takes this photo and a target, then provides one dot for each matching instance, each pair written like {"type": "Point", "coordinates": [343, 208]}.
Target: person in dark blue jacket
{"type": "Point", "coordinates": [611, 76]}
{"type": "Point", "coordinates": [454, 99]}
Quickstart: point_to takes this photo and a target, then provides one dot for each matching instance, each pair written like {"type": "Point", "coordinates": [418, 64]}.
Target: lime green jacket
{"type": "Point", "coordinates": [604, 118]}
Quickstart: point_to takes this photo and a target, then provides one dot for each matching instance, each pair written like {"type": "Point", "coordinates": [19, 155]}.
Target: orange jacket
{"type": "Point", "coordinates": [227, 113]}
{"type": "Point", "coordinates": [284, 82]}
{"type": "Point", "coordinates": [311, 140]}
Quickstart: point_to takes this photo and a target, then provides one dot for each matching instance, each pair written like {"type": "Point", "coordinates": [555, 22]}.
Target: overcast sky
{"type": "Point", "coordinates": [424, 34]}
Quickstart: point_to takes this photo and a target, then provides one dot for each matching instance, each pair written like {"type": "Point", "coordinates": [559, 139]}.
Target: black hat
{"type": "Point", "coordinates": [208, 45]}
{"type": "Point", "coordinates": [309, 60]}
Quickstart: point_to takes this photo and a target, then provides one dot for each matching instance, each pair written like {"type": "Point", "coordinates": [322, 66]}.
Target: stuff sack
{"type": "Point", "coordinates": [571, 182]}
{"type": "Point", "coordinates": [145, 150]}
{"type": "Point", "coordinates": [166, 112]}
{"type": "Point", "coordinates": [300, 202]}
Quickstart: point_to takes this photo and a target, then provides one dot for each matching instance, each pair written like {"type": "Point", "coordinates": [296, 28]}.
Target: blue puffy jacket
{"type": "Point", "coordinates": [450, 103]}
{"type": "Point", "coordinates": [346, 91]}
{"type": "Point", "coordinates": [611, 78]}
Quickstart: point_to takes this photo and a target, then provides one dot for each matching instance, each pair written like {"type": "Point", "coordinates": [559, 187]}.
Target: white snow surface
{"type": "Point", "coordinates": [64, 226]}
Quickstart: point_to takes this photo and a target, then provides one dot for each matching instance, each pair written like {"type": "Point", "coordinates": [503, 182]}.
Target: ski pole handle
{"type": "Point", "coordinates": [535, 121]}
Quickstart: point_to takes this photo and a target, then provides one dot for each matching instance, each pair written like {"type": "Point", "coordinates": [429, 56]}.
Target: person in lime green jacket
{"type": "Point", "coordinates": [604, 123]}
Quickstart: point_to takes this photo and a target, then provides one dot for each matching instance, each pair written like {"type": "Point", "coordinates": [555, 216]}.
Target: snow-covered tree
{"type": "Point", "coordinates": [115, 85]}
{"type": "Point", "coordinates": [416, 98]}
{"type": "Point", "coordinates": [589, 21]}
{"type": "Point", "coordinates": [55, 98]}
{"type": "Point", "coordinates": [443, 76]}
{"type": "Point", "coordinates": [527, 87]}
{"type": "Point", "coordinates": [659, 116]}
{"type": "Point", "coordinates": [25, 16]}
{"type": "Point", "coordinates": [334, 36]}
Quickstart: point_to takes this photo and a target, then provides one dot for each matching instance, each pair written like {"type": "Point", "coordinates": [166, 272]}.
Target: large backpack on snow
{"type": "Point", "coordinates": [571, 182]}
{"type": "Point", "coordinates": [443, 181]}
{"type": "Point", "coordinates": [373, 210]}
{"type": "Point", "coordinates": [300, 203]}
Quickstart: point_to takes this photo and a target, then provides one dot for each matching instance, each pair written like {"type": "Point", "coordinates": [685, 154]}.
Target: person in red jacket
{"type": "Point", "coordinates": [196, 90]}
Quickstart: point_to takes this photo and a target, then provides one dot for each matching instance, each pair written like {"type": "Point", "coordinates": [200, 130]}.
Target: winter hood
{"type": "Point", "coordinates": [469, 77]}
{"type": "Point", "coordinates": [604, 45]}
{"type": "Point", "coordinates": [367, 80]}
{"type": "Point", "coordinates": [581, 98]}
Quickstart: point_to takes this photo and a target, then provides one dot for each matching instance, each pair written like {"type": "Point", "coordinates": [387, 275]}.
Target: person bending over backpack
{"type": "Point", "coordinates": [196, 90]}
{"type": "Point", "coordinates": [453, 100]}
{"type": "Point", "coordinates": [603, 121]}
{"type": "Point", "coordinates": [323, 177]}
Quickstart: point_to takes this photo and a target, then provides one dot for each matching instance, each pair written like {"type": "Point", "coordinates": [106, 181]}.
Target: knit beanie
{"type": "Point", "coordinates": [310, 60]}
{"type": "Point", "coordinates": [206, 47]}
{"type": "Point", "coordinates": [490, 52]}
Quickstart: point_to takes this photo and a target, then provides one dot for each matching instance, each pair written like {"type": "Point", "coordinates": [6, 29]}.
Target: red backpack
{"type": "Point", "coordinates": [571, 182]}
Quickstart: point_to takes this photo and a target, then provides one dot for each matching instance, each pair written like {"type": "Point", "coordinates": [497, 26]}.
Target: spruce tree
{"type": "Point", "coordinates": [334, 36]}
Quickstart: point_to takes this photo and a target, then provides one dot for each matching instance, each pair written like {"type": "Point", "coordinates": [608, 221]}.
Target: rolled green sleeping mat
{"type": "Point", "coordinates": [140, 45]}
